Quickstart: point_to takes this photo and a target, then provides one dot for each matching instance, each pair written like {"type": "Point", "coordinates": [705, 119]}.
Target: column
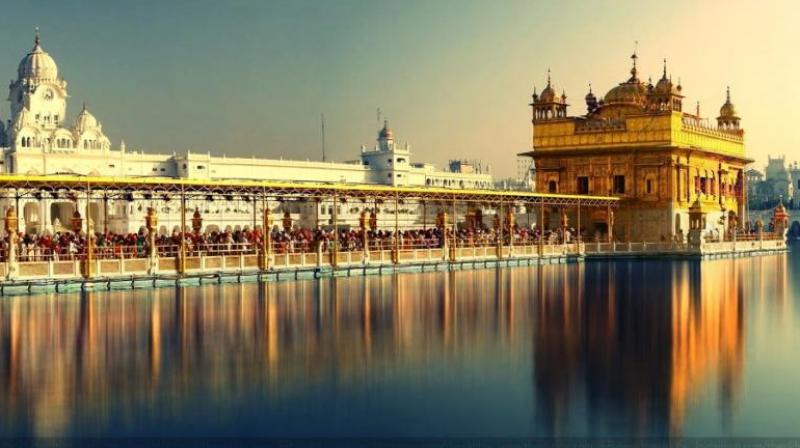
{"type": "Point", "coordinates": [501, 224]}
{"type": "Point", "coordinates": [182, 253]}
{"type": "Point", "coordinates": [11, 223]}
{"type": "Point", "coordinates": [335, 218]}
{"type": "Point", "coordinates": [151, 224]}
{"type": "Point", "coordinates": [454, 246]}
{"type": "Point", "coordinates": [89, 260]}
{"type": "Point", "coordinates": [396, 251]}
{"type": "Point", "coordinates": [266, 238]}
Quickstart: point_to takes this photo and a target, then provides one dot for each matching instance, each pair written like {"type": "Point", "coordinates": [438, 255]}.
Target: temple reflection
{"type": "Point", "coordinates": [602, 354]}
{"type": "Point", "coordinates": [628, 353]}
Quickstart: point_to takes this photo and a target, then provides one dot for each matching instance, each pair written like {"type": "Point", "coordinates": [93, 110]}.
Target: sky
{"type": "Point", "coordinates": [453, 77]}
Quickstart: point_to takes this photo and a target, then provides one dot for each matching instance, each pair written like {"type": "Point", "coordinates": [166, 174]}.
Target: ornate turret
{"type": "Point", "coordinates": [386, 137]}
{"type": "Point", "coordinates": [591, 100]}
{"type": "Point", "coordinates": [665, 95]}
{"type": "Point", "coordinates": [728, 120]}
{"type": "Point", "coordinates": [549, 105]}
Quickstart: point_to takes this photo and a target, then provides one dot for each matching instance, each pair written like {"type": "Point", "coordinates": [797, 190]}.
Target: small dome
{"type": "Point", "coordinates": [728, 110]}
{"type": "Point", "coordinates": [664, 85]}
{"type": "Point", "coordinates": [38, 64]}
{"type": "Point", "coordinates": [550, 93]}
{"type": "Point", "coordinates": [385, 133]}
{"type": "Point", "coordinates": [590, 96]}
{"type": "Point", "coordinates": [85, 121]}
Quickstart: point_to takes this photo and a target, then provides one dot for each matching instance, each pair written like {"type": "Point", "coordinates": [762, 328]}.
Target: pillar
{"type": "Point", "coordinates": [454, 246]}
{"type": "Point", "coordinates": [151, 224]}
{"type": "Point", "coordinates": [335, 219]}
{"type": "Point", "coordinates": [12, 263]}
{"type": "Point", "coordinates": [266, 239]}
{"type": "Point", "coordinates": [396, 250]}
{"type": "Point", "coordinates": [362, 224]}
{"type": "Point", "coordinates": [541, 227]}
{"type": "Point", "coordinates": [182, 248]}
{"type": "Point", "coordinates": [89, 259]}
{"type": "Point", "coordinates": [499, 230]}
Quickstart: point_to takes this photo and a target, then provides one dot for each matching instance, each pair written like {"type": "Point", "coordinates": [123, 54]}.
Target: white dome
{"type": "Point", "coordinates": [38, 64]}
{"type": "Point", "coordinates": [85, 121]}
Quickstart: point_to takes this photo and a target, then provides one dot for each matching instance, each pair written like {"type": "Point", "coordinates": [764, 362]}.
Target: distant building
{"type": "Point", "coordinates": [779, 183]}
{"type": "Point", "coordinates": [794, 173]}
{"type": "Point", "coordinates": [38, 140]}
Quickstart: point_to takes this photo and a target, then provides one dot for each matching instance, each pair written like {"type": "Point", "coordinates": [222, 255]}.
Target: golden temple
{"type": "Point", "coordinates": [637, 143]}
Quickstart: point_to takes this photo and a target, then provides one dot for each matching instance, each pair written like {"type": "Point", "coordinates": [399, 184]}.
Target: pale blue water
{"type": "Point", "coordinates": [629, 348]}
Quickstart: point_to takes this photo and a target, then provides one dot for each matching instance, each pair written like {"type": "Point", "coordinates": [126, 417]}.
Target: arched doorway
{"type": "Point", "coordinates": [61, 215]}
{"type": "Point", "coordinates": [31, 217]}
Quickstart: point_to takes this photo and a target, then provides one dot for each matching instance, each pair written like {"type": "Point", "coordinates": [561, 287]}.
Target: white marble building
{"type": "Point", "coordinates": [37, 139]}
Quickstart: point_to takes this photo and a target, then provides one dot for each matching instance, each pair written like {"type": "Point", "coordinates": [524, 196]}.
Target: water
{"type": "Point", "coordinates": [633, 348]}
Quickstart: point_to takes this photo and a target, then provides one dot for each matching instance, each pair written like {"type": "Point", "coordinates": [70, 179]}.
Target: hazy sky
{"type": "Point", "coordinates": [453, 77]}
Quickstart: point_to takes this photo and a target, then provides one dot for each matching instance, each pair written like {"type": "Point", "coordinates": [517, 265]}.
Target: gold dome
{"type": "Point", "coordinates": [631, 92]}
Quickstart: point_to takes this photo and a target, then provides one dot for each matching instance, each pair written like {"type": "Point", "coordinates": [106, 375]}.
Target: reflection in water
{"type": "Point", "coordinates": [597, 349]}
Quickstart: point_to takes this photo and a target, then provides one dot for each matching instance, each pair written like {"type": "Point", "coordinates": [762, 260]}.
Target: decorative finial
{"type": "Point", "coordinates": [534, 90]}
{"type": "Point", "coordinates": [698, 110]}
{"type": "Point", "coordinates": [728, 94]}
{"type": "Point", "coordinates": [84, 107]}
{"type": "Point", "coordinates": [634, 57]}
{"type": "Point", "coordinates": [36, 39]}
{"type": "Point", "coordinates": [548, 77]}
{"type": "Point", "coordinates": [590, 87]}
{"type": "Point", "coordinates": [665, 68]}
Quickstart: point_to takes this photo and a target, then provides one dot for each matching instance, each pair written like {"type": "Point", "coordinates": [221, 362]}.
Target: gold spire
{"type": "Point", "coordinates": [634, 57]}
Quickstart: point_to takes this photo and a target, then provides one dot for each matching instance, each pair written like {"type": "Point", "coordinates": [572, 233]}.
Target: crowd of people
{"type": "Point", "coordinates": [64, 245]}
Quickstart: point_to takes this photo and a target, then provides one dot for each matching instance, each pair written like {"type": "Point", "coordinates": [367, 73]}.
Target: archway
{"type": "Point", "coordinates": [61, 215]}
{"type": "Point", "coordinates": [31, 217]}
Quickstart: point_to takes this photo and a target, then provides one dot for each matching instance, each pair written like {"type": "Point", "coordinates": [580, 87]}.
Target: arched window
{"type": "Point", "coordinates": [552, 186]}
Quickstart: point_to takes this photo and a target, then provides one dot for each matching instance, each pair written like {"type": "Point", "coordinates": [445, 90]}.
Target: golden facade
{"type": "Point", "coordinates": [638, 144]}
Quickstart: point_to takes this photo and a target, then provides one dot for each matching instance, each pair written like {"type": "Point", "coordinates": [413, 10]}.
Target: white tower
{"type": "Point", "coordinates": [390, 162]}
{"type": "Point", "coordinates": [39, 89]}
